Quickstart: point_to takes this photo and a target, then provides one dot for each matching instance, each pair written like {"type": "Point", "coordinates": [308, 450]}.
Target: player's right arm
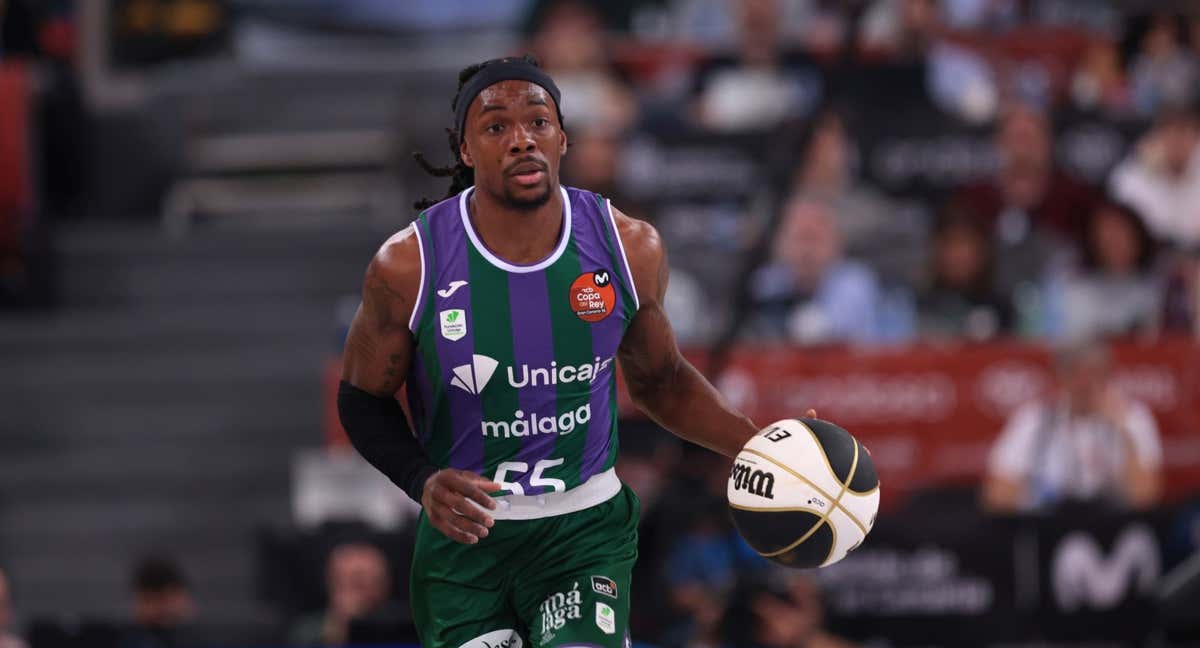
{"type": "Point", "coordinates": [376, 359]}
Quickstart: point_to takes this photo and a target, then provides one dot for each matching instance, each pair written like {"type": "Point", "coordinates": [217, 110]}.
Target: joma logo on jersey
{"type": "Point", "coordinates": [755, 482]}
{"type": "Point", "coordinates": [554, 374]}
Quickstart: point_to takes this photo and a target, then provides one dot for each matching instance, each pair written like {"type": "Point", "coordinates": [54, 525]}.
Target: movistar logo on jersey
{"type": "Point", "coordinates": [472, 378]}
{"type": "Point", "coordinates": [522, 425]}
{"type": "Point", "coordinates": [554, 374]}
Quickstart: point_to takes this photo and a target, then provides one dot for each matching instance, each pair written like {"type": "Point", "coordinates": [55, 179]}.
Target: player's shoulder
{"type": "Point", "coordinates": [646, 254]}
{"type": "Point", "coordinates": [398, 262]}
{"type": "Point", "coordinates": [639, 238]}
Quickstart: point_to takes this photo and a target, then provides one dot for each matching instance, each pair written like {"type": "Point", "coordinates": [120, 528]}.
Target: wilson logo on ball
{"type": "Point", "coordinates": [755, 482]}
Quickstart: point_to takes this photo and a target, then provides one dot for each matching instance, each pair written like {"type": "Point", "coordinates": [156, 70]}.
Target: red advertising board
{"type": "Point", "coordinates": [16, 195]}
{"type": "Point", "coordinates": [929, 414]}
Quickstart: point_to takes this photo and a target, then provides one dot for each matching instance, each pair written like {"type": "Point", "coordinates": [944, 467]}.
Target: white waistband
{"type": "Point", "coordinates": [599, 488]}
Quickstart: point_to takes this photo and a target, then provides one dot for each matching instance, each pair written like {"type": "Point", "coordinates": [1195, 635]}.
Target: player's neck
{"type": "Point", "coordinates": [519, 236]}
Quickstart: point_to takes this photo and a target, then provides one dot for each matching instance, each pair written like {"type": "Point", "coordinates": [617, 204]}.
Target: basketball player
{"type": "Point", "coordinates": [504, 310]}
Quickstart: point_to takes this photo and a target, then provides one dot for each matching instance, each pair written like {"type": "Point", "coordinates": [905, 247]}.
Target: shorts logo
{"type": "Point", "coordinates": [454, 324]}
{"type": "Point", "coordinates": [558, 608]}
{"type": "Point", "coordinates": [592, 296]}
{"type": "Point", "coordinates": [606, 620]}
{"type": "Point", "coordinates": [604, 585]}
{"type": "Point", "coordinates": [506, 638]}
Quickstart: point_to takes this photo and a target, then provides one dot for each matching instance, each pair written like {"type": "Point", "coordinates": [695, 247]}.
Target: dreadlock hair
{"type": "Point", "coordinates": [461, 176]}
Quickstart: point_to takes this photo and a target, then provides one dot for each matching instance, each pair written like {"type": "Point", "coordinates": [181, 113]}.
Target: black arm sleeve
{"type": "Point", "coordinates": [381, 434]}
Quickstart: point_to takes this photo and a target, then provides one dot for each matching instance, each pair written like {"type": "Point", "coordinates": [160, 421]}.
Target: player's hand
{"type": "Point", "coordinates": [449, 499]}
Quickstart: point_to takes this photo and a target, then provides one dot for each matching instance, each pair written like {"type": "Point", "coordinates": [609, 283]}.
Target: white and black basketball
{"type": "Point", "coordinates": [803, 492]}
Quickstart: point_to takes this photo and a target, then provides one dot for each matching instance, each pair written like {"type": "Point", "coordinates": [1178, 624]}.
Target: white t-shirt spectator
{"type": "Point", "coordinates": [1171, 206]}
{"type": "Point", "coordinates": [1059, 456]}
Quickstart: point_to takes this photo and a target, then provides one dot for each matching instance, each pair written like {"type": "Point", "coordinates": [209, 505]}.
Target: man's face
{"type": "Point", "coordinates": [165, 608]}
{"type": "Point", "coordinates": [514, 142]}
{"type": "Point", "coordinates": [809, 240]}
{"type": "Point", "coordinates": [358, 581]}
{"type": "Point", "coordinates": [1084, 379]}
{"type": "Point", "coordinates": [1024, 141]}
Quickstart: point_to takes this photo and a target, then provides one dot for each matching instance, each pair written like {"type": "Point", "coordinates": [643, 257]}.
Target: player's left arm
{"type": "Point", "coordinates": [662, 383]}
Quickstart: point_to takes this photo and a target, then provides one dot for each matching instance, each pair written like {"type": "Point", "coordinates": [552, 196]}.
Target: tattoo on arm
{"type": "Point", "coordinates": [378, 346]}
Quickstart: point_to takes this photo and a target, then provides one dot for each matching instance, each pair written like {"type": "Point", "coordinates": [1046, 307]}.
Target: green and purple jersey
{"type": "Point", "coordinates": [514, 371]}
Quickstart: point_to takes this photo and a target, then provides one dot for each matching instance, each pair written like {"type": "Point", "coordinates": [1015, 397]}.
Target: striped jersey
{"type": "Point", "coordinates": [514, 371]}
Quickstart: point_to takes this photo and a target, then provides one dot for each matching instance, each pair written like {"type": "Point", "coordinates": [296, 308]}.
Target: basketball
{"type": "Point", "coordinates": [803, 492]}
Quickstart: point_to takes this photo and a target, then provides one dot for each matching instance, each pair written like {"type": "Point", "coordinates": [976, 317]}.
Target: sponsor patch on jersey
{"type": "Point", "coordinates": [604, 585]}
{"type": "Point", "coordinates": [454, 323]}
{"type": "Point", "coordinates": [593, 296]}
{"type": "Point", "coordinates": [606, 619]}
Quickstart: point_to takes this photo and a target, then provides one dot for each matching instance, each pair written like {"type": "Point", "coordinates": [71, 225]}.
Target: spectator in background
{"type": "Point", "coordinates": [1031, 211]}
{"type": "Point", "coordinates": [162, 605]}
{"type": "Point", "coordinates": [358, 585]}
{"type": "Point", "coordinates": [810, 293]}
{"type": "Point", "coordinates": [1161, 179]}
{"type": "Point", "coordinates": [760, 85]}
{"type": "Point", "coordinates": [707, 556]}
{"type": "Point", "coordinates": [781, 610]}
{"type": "Point", "coordinates": [959, 300]}
{"type": "Point", "coordinates": [873, 230]}
{"type": "Point", "coordinates": [7, 638]}
{"type": "Point", "coordinates": [1117, 291]}
{"type": "Point", "coordinates": [1099, 84]}
{"type": "Point", "coordinates": [1087, 442]}
{"type": "Point", "coordinates": [1164, 73]}
{"type": "Point", "coordinates": [899, 31]}
{"type": "Point", "coordinates": [572, 45]}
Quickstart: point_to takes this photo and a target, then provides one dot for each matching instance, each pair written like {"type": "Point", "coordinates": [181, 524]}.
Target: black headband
{"type": "Point", "coordinates": [511, 69]}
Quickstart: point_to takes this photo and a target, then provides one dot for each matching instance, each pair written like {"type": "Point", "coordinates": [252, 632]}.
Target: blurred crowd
{"type": "Point", "coordinates": [1028, 248]}
{"type": "Point", "coordinates": [813, 250]}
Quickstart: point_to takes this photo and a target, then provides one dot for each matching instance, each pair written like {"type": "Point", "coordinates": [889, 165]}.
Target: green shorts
{"type": "Point", "coordinates": [557, 581]}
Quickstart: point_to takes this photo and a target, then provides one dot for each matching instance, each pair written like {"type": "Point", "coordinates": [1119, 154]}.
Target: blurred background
{"type": "Point", "coordinates": [966, 230]}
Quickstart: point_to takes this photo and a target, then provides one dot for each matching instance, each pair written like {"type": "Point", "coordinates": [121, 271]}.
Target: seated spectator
{"type": "Point", "coordinates": [1032, 212]}
{"type": "Point", "coordinates": [706, 556]}
{"type": "Point", "coordinates": [760, 85]}
{"type": "Point", "coordinates": [1164, 73]}
{"type": "Point", "coordinates": [810, 293]}
{"type": "Point", "coordinates": [572, 46]}
{"type": "Point", "coordinates": [1086, 442]}
{"type": "Point", "coordinates": [959, 300]}
{"type": "Point", "coordinates": [1161, 178]}
{"type": "Point", "coordinates": [162, 605]}
{"type": "Point", "coordinates": [1117, 292]}
{"type": "Point", "coordinates": [358, 584]}
{"type": "Point", "coordinates": [1099, 84]}
{"type": "Point", "coordinates": [7, 638]}
{"type": "Point", "coordinates": [873, 229]}
{"type": "Point", "coordinates": [899, 30]}
{"type": "Point", "coordinates": [780, 610]}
